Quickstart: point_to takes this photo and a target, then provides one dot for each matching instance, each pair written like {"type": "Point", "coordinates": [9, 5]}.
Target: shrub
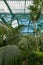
{"type": "Point", "coordinates": [36, 58]}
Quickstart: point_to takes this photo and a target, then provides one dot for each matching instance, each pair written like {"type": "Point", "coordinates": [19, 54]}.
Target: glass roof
{"type": "Point", "coordinates": [15, 10]}
{"type": "Point", "coordinates": [3, 7]}
{"type": "Point", "coordinates": [16, 6]}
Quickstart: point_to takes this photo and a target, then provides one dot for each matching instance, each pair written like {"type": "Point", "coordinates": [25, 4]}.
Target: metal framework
{"type": "Point", "coordinates": [15, 9]}
{"type": "Point", "coordinates": [19, 9]}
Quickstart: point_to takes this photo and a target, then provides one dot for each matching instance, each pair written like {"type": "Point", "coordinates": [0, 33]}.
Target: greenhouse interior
{"type": "Point", "coordinates": [21, 32]}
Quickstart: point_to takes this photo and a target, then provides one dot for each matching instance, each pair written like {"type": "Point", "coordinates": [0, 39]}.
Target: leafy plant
{"type": "Point", "coordinates": [36, 58]}
{"type": "Point", "coordinates": [10, 55]}
{"type": "Point", "coordinates": [35, 13]}
{"type": "Point", "coordinates": [12, 35]}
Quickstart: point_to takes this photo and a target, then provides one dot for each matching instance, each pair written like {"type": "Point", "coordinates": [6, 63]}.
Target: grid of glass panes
{"type": "Point", "coordinates": [18, 6]}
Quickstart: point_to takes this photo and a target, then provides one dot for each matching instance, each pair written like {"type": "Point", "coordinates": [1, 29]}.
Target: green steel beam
{"type": "Point", "coordinates": [24, 6]}
{"type": "Point", "coordinates": [18, 15]}
{"type": "Point", "coordinates": [17, 21]}
{"type": "Point", "coordinates": [3, 20]}
{"type": "Point", "coordinates": [9, 9]}
{"type": "Point", "coordinates": [8, 6]}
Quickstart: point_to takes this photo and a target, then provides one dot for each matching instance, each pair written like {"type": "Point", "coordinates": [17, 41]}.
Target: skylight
{"type": "Point", "coordinates": [3, 7]}
{"type": "Point", "coordinates": [19, 6]}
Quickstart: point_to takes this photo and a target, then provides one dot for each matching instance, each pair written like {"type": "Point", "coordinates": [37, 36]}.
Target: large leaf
{"type": "Point", "coordinates": [10, 55]}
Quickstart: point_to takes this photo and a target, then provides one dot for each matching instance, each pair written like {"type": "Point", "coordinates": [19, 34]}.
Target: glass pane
{"type": "Point", "coordinates": [14, 24]}
{"type": "Point", "coordinates": [7, 18]}
{"type": "Point", "coordinates": [23, 21]}
{"type": "Point", "coordinates": [3, 7]}
{"type": "Point", "coordinates": [26, 30]}
{"type": "Point", "coordinates": [19, 6]}
{"type": "Point", "coordinates": [16, 6]}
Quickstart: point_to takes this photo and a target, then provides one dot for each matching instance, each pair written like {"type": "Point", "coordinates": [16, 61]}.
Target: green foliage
{"type": "Point", "coordinates": [5, 30]}
{"type": "Point", "coordinates": [36, 58]}
{"type": "Point", "coordinates": [10, 55]}
{"type": "Point", "coordinates": [36, 10]}
{"type": "Point", "coordinates": [26, 43]}
{"type": "Point", "coordinates": [12, 35]}
{"type": "Point", "coordinates": [35, 13]}
{"type": "Point", "coordinates": [21, 47]}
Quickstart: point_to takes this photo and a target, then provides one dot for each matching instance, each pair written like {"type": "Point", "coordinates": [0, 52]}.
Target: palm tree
{"type": "Point", "coordinates": [35, 13]}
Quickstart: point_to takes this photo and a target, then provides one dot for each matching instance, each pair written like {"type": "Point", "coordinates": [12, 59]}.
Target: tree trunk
{"type": "Point", "coordinates": [25, 62]}
{"type": "Point", "coordinates": [36, 43]}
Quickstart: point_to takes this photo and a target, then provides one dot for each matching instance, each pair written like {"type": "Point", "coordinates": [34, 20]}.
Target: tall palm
{"type": "Point", "coordinates": [35, 13]}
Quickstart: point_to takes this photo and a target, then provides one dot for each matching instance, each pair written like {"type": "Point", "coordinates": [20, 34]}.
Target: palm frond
{"type": "Point", "coordinates": [10, 55]}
